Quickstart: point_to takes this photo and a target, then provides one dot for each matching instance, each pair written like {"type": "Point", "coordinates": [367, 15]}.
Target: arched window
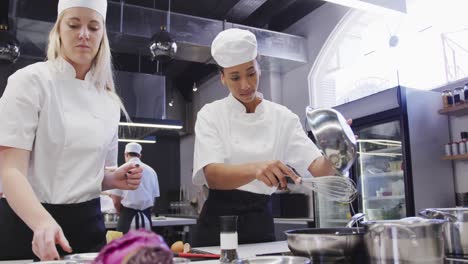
{"type": "Point", "coordinates": [368, 53]}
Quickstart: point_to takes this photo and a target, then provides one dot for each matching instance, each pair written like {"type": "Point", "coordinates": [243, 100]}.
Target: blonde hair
{"type": "Point", "coordinates": [102, 70]}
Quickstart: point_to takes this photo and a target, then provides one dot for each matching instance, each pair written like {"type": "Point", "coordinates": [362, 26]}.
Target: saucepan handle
{"type": "Point", "coordinates": [436, 214]}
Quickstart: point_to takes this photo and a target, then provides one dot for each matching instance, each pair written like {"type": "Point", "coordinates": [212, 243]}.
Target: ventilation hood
{"type": "Point", "coordinates": [130, 29]}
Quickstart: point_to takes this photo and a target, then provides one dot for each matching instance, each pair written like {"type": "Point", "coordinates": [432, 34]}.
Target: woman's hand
{"type": "Point", "coordinates": [274, 173]}
{"type": "Point", "coordinates": [46, 236]}
{"type": "Point", "coordinates": [127, 176]}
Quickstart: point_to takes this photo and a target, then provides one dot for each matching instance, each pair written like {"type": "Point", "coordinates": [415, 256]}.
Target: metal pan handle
{"type": "Point", "coordinates": [436, 214]}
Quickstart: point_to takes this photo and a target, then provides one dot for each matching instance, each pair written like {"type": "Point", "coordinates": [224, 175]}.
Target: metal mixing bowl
{"type": "Point", "coordinates": [334, 137]}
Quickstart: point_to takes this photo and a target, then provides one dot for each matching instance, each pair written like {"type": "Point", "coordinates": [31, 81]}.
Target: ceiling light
{"type": "Point", "coordinates": [166, 126]}
{"type": "Point", "coordinates": [194, 88]}
{"type": "Point", "coordinates": [137, 140]}
{"type": "Point", "coordinates": [171, 103]}
{"type": "Point", "coordinates": [162, 47]}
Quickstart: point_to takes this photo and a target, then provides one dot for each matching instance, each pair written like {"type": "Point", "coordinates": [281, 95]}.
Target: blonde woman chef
{"type": "Point", "coordinates": [59, 130]}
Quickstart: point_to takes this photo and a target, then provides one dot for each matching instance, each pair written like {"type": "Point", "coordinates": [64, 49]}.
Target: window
{"type": "Point", "coordinates": [368, 53]}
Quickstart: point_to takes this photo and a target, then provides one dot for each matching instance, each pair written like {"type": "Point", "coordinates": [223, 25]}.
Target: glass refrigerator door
{"type": "Point", "coordinates": [330, 213]}
{"type": "Point", "coordinates": [380, 173]}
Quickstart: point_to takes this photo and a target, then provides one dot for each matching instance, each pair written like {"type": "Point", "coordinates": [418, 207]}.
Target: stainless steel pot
{"type": "Point", "coordinates": [110, 217]}
{"type": "Point", "coordinates": [455, 231]}
{"type": "Point", "coordinates": [409, 240]}
{"type": "Point", "coordinates": [334, 137]}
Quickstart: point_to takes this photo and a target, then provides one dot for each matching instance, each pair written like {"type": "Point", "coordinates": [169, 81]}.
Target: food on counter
{"type": "Point", "coordinates": [180, 247]}
{"type": "Point", "coordinates": [136, 247]}
{"type": "Point", "coordinates": [187, 248]}
{"type": "Point", "coordinates": [112, 235]}
{"type": "Point", "coordinates": [177, 247]}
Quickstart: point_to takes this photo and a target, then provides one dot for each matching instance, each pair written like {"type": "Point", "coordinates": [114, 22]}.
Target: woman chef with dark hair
{"type": "Point", "coordinates": [243, 144]}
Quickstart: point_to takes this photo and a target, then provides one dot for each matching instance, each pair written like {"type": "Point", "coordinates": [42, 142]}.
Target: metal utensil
{"type": "Point", "coordinates": [455, 231]}
{"type": "Point", "coordinates": [336, 245]}
{"type": "Point", "coordinates": [334, 137]}
{"type": "Point", "coordinates": [409, 240]}
{"type": "Point", "coordinates": [275, 260]}
{"type": "Point", "coordinates": [333, 188]}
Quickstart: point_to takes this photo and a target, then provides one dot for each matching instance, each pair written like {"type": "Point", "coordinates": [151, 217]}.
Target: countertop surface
{"type": "Point", "coordinates": [249, 250]}
{"type": "Point", "coordinates": [162, 221]}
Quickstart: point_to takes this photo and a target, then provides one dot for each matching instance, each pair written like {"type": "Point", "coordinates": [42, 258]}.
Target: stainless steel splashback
{"type": "Point", "coordinates": [144, 95]}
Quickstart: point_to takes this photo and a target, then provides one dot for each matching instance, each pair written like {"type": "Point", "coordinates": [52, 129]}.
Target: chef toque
{"type": "Point", "coordinates": [233, 47]}
{"type": "Point", "coordinates": [133, 147]}
{"type": "Point", "coordinates": [99, 6]}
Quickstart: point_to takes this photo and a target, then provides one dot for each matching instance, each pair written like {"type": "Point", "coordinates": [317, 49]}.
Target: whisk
{"type": "Point", "coordinates": [334, 188]}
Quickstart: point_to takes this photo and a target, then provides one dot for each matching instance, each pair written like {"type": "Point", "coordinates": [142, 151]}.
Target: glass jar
{"type": "Point", "coordinates": [462, 147]}
{"type": "Point", "coordinates": [458, 95]}
{"type": "Point", "coordinates": [465, 92]}
{"type": "Point", "coordinates": [455, 148]}
{"type": "Point", "coordinates": [447, 98]}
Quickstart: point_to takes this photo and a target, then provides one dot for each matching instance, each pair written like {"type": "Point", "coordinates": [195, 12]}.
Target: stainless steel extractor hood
{"type": "Point", "coordinates": [131, 27]}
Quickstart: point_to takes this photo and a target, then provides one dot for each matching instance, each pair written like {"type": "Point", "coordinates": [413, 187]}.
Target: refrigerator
{"type": "Point", "coordinates": [398, 170]}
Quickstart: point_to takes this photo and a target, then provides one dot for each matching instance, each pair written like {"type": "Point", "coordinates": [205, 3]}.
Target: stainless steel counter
{"type": "Point", "coordinates": [162, 221]}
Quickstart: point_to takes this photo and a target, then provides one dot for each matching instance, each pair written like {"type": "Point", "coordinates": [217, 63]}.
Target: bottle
{"type": "Point", "coordinates": [465, 91]}
{"type": "Point", "coordinates": [228, 239]}
{"type": "Point", "coordinates": [447, 98]}
{"type": "Point", "coordinates": [458, 95]}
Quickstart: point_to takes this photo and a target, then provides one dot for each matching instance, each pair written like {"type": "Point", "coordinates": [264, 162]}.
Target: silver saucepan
{"type": "Point", "coordinates": [455, 231]}
{"type": "Point", "coordinates": [409, 240]}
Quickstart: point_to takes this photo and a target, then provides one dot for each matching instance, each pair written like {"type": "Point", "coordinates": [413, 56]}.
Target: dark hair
{"type": "Point", "coordinates": [133, 154]}
{"type": "Point", "coordinates": [220, 69]}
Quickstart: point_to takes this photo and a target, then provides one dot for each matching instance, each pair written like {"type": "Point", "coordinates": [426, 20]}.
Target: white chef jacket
{"type": "Point", "coordinates": [225, 133]}
{"type": "Point", "coordinates": [143, 196]}
{"type": "Point", "coordinates": [69, 126]}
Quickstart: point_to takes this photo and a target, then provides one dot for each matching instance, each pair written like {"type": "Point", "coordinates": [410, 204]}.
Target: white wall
{"type": "Point", "coordinates": [316, 27]}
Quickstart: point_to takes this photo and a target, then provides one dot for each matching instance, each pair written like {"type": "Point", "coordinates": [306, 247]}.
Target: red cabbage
{"type": "Point", "coordinates": [125, 247]}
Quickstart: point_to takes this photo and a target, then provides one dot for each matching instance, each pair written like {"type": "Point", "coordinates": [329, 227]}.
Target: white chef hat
{"type": "Point", "coordinates": [133, 147]}
{"type": "Point", "coordinates": [99, 6]}
{"type": "Point", "coordinates": [234, 46]}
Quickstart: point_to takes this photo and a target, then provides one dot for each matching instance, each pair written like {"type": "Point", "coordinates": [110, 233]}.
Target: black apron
{"type": "Point", "coordinates": [126, 217]}
{"type": "Point", "coordinates": [82, 224]}
{"type": "Point", "coordinates": [255, 221]}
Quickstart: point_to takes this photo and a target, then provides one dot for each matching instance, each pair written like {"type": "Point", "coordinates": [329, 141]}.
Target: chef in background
{"type": "Point", "coordinates": [243, 144]}
{"type": "Point", "coordinates": [59, 122]}
{"type": "Point", "coordinates": [135, 206]}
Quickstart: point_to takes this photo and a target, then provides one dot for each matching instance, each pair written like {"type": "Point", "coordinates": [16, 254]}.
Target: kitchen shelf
{"type": "Point", "coordinates": [336, 220]}
{"type": "Point", "coordinates": [374, 198]}
{"type": "Point", "coordinates": [456, 157]}
{"type": "Point", "coordinates": [395, 150]}
{"type": "Point", "coordinates": [457, 110]}
{"type": "Point", "coordinates": [389, 175]}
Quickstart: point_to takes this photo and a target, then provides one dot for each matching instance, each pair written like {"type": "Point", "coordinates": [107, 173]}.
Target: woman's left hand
{"type": "Point", "coordinates": [127, 176]}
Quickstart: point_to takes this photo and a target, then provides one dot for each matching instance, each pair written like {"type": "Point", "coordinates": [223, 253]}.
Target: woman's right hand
{"type": "Point", "coordinates": [46, 235]}
{"type": "Point", "coordinates": [274, 173]}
